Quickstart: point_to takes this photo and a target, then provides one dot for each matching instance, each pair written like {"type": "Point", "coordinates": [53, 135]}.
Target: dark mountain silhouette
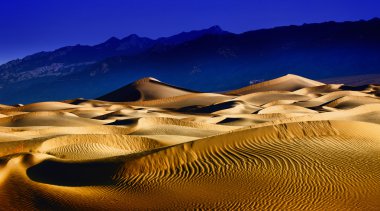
{"type": "Point", "coordinates": [188, 36]}
{"type": "Point", "coordinates": [73, 59]}
{"type": "Point", "coordinates": [205, 60]}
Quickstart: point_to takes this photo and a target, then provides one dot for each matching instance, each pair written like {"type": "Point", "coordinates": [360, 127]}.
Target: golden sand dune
{"type": "Point", "coordinates": [288, 82]}
{"type": "Point", "coordinates": [90, 112]}
{"type": "Point", "coordinates": [364, 113]}
{"type": "Point", "coordinates": [5, 106]}
{"type": "Point", "coordinates": [261, 98]}
{"type": "Point", "coordinates": [290, 143]}
{"type": "Point", "coordinates": [145, 89]}
{"type": "Point", "coordinates": [80, 147]}
{"type": "Point", "coordinates": [322, 89]}
{"type": "Point", "coordinates": [348, 102]}
{"type": "Point", "coordinates": [47, 118]}
{"type": "Point", "coordinates": [43, 106]}
{"type": "Point", "coordinates": [327, 98]}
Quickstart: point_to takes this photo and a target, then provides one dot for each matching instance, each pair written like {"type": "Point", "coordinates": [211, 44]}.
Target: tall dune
{"type": "Point", "coordinates": [145, 89]}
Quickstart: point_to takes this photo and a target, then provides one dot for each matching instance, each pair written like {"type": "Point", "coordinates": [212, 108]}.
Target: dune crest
{"type": "Point", "coordinates": [288, 82]}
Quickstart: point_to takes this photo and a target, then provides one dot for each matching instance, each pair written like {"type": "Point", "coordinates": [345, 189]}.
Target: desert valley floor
{"type": "Point", "coordinates": [287, 143]}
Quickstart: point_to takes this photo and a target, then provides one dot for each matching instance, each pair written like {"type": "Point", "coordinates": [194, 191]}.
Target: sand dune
{"type": "Point", "coordinates": [198, 99]}
{"type": "Point", "coordinates": [323, 89]}
{"type": "Point", "coordinates": [327, 98]}
{"type": "Point", "coordinates": [290, 143]}
{"type": "Point", "coordinates": [42, 106]}
{"type": "Point", "coordinates": [145, 89]}
{"type": "Point", "coordinates": [348, 102]}
{"type": "Point", "coordinates": [288, 82]}
{"type": "Point", "coordinates": [47, 118]}
{"type": "Point", "coordinates": [261, 98]}
{"type": "Point", "coordinates": [2, 106]}
{"type": "Point", "coordinates": [285, 109]}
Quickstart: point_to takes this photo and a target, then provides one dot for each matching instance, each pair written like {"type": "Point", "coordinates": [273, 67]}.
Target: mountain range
{"type": "Point", "coordinates": [205, 60]}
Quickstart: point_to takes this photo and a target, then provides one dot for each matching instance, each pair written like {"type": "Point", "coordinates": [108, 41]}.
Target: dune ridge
{"type": "Point", "coordinates": [289, 143]}
{"type": "Point", "coordinates": [288, 82]}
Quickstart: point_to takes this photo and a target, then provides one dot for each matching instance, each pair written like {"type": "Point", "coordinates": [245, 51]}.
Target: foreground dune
{"type": "Point", "coordinates": [289, 143]}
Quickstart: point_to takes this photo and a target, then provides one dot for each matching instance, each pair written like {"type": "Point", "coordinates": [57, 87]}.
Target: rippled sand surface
{"type": "Point", "coordinates": [289, 143]}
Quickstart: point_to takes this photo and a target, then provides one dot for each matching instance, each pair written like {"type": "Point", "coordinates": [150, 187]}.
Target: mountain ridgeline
{"type": "Point", "coordinates": [204, 60]}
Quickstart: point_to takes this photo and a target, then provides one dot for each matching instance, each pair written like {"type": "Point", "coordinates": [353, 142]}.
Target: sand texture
{"type": "Point", "coordinates": [290, 143]}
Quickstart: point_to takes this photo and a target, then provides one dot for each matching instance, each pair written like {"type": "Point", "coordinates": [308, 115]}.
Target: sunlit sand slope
{"type": "Point", "coordinates": [290, 143]}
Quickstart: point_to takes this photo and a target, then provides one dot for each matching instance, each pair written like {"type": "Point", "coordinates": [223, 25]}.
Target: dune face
{"type": "Point", "coordinates": [290, 143]}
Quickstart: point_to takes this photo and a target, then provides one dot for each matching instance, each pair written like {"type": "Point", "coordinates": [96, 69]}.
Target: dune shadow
{"type": "Point", "coordinates": [73, 174]}
{"type": "Point", "coordinates": [210, 108]}
{"type": "Point", "coordinates": [123, 122]}
{"type": "Point", "coordinates": [354, 88]}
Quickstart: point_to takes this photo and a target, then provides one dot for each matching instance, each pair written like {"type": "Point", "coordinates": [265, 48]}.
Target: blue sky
{"type": "Point", "coordinates": [29, 26]}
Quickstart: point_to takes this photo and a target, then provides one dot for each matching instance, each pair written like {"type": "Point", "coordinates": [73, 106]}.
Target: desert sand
{"type": "Point", "coordinates": [290, 143]}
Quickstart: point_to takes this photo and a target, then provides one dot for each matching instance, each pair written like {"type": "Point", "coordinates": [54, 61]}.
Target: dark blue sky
{"type": "Point", "coordinates": [29, 26]}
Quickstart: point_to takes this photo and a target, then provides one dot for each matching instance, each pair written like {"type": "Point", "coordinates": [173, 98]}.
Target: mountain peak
{"type": "Point", "coordinates": [191, 35]}
{"type": "Point", "coordinates": [215, 28]}
{"type": "Point", "coordinates": [112, 40]}
{"type": "Point", "coordinates": [132, 36]}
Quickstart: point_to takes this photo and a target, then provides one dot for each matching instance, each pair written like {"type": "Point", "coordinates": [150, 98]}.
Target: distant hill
{"type": "Point", "coordinates": [205, 60]}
